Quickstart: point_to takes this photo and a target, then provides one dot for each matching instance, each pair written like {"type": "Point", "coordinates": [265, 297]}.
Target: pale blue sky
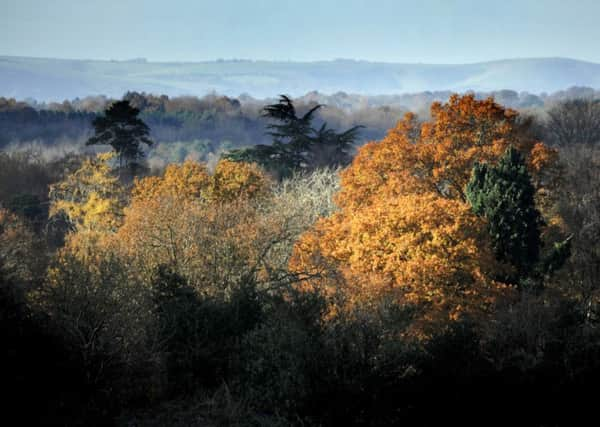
{"type": "Point", "coordinates": [429, 31]}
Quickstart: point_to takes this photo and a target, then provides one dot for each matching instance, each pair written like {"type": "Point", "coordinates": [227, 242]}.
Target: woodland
{"type": "Point", "coordinates": [301, 262]}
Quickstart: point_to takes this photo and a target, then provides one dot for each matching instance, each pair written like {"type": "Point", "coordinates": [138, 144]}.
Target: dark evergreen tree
{"type": "Point", "coordinates": [505, 196]}
{"type": "Point", "coordinates": [297, 145]}
{"type": "Point", "coordinates": [122, 129]}
{"type": "Point", "coordinates": [330, 148]}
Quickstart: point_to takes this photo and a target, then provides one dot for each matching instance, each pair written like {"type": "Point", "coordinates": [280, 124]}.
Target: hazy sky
{"type": "Point", "coordinates": [430, 31]}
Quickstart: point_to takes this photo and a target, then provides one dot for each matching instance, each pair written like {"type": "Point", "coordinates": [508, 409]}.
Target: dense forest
{"type": "Point", "coordinates": [328, 260]}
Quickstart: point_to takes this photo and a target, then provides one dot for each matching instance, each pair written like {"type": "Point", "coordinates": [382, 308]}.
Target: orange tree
{"type": "Point", "coordinates": [205, 227]}
{"type": "Point", "coordinates": [404, 226]}
{"type": "Point", "coordinates": [192, 181]}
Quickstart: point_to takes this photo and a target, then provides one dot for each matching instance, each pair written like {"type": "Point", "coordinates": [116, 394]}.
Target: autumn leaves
{"type": "Point", "coordinates": [404, 228]}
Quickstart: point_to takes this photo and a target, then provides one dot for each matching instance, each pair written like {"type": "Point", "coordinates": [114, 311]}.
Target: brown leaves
{"type": "Point", "coordinates": [18, 258]}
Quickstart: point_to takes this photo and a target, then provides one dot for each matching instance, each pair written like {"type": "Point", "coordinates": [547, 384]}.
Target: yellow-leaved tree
{"type": "Point", "coordinates": [91, 198]}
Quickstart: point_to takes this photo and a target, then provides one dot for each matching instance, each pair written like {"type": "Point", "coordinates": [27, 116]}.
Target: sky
{"type": "Point", "coordinates": [415, 31]}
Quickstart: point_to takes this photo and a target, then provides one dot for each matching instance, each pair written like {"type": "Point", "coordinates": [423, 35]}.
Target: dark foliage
{"type": "Point", "coordinates": [504, 195]}
{"type": "Point", "coordinates": [122, 129]}
{"type": "Point", "coordinates": [574, 121]}
{"type": "Point", "coordinates": [297, 145]}
{"type": "Point", "coordinates": [44, 380]}
{"type": "Point", "coordinates": [200, 336]}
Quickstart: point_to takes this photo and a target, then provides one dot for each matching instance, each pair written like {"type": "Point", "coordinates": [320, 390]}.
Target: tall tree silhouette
{"type": "Point", "coordinates": [122, 129]}
{"type": "Point", "coordinates": [297, 145]}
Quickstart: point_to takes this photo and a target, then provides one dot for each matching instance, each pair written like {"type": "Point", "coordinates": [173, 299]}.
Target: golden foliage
{"type": "Point", "coordinates": [404, 225]}
{"type": "Point", "coordinates": [438, 156]}
{"type": "Point", "coordinates": [91, 197]}
{"type": "Point", "coordinates": [237, 180]}
{"type": "Point", "coordinates": [547, 174]}
{"type": "Point", "coordinates": [211, 245]}
{"type": "Point", "coordinates": [190, 180]}
{"type": "Point", "coordinates": [428, 250]}
{"type": "Point", "coordinates": [206, 227]}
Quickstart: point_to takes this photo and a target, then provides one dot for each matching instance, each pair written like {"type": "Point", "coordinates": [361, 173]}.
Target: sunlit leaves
{"type": "Point", "coordinates": [405, 227]}
{"type": "Point", "coordinates": [192, 181]}
{"type": "Point", "coordinates": [91, 197]}
{"type": "Point", "coordinates": [206, 227]}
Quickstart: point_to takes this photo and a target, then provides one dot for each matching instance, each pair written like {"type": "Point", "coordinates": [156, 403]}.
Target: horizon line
{"type": "Point", "coordinates": [142, 59]}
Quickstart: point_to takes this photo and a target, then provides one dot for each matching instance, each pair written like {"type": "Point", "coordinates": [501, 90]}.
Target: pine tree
{"type": "Point", "coordinates": [504, 195]}
{"type": "Point", "coordinates": [122, 129]}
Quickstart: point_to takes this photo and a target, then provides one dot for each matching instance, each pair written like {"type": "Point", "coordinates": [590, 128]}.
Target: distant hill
{"type": "Point", "coordinates": [57, 79]}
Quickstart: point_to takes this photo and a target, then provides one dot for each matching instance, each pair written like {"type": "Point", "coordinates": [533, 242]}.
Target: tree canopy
{"type": "Point", "coordinates": [405, 225]}
{"type": "Point", "coordinates": [91, 197]}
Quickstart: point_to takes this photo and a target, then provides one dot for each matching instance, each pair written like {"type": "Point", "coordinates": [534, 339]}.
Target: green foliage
{"type": "Point", "coordinates": [276, 159]}
{"type": "Point", "coordinates": [275, 370]}
{"type": "Point", "coordinates": [557, 256]}
{"type": "Point", "coordinates": [280, 356]}
{"type": "Point", "coordinates": [176, 307]}
{"type": "Point", "coordinates": [504, 195]}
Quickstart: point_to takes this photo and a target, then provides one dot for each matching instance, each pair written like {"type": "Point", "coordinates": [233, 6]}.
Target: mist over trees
{"type": "Point", "coordinates": [188, 127]}
{"type": "Point", "coordinates": [297, 145]}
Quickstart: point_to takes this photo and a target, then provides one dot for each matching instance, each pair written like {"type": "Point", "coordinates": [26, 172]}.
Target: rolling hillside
{"type": "Point", "coordinates": [57, 79]}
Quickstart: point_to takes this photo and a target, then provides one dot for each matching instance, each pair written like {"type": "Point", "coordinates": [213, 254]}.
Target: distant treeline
{"type": "Point", "coordinates": [200, 126]}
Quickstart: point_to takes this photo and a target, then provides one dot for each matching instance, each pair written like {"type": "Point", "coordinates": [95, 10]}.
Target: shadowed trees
{"type": "Point", "coordinates": [219, 297]}
{"type": "Point", "coordinates": [575, 121]}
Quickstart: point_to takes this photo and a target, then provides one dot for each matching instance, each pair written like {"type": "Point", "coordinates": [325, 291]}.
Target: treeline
{"type": "Point", "coordinates": [216, 119]}
{"type": "Point", "coordinates": [217, 123]}
{"type": "Point", "coordinates": [450, 273]}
